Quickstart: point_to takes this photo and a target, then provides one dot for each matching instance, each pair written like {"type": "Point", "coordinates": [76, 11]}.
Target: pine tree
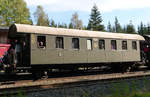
{"type": "Point", "coordinates": [52, 23]}
{"type": "Point", "coordinates": [70, 26]}
{"type": "Point", "coordinates": [14, 11]}
{"type": "Point", "coordinates": [130, 28]}
{"type": "Point", "coordinates": [109, 28]}
{"type": "Point", "coordinates": [95, 20]}
{"type": "Point", "coordinates": [124, 30]}
{"type": "Point", "coordinates": [113, 29]}
{"type": "Point", "coordinates": [141, 29]}
{"type": "Point", "coordinates": [145, 30]}
{"type": "Point", "coordinates": [84, 28]}
{"type": "Point", "coordinates": [148, 29]}
{"type": "Point", "coordinates": [40, 16]}
{"type": "Point", "coordinates": [117, 26]}
{"type": "Point", "coordinates": [63, 25]}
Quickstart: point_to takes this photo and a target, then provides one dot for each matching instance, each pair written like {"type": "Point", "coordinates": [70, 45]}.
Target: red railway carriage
{"type": "Point", "coordinates": [3, 49]}
{"type": "Point", "coordinates": [3, 52]}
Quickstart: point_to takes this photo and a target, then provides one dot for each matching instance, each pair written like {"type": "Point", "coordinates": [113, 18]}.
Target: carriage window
{"type": "Point", "coordinates": [124, 45]}
{"type": "Point", "coordinates": [89, 44]}
{"type": "Point", "coordinates": [134, 45]}
{"type": "Point", "coordinates": [113, 45]}
{"type": "Point", "coordinates": [59, 42]}
{"type": "Point", "coordinates": [75, 43]}
{"type": "Point", "coordinates": [41, 41]}
{"type": "Point", "coordinates": [101, 44]}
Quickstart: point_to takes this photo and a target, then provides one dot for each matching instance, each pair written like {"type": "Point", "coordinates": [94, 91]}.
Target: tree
{"type": "Point", "coordinates": [95, 20]}
{"type": "Point", "coordinates": [75, 22]}
{"type": "Point", "coordinates": [148, 29]}
{"type": "Point", "coordinates": [41, 17]}
{"type": "Point", "coordinates": [63, 25]}
{"type": "Point", "coordinates": [124, 29]}
{"type": "Point", "coordinates": [144, 29]}
{"type": "Point", "coordinates": [109, 28]}
{"type": "Point", "coordinates": [130, 28]}
{"type": "Point", "coordinates": [52, 23]}
{"type": "Point", "coordinates": [141, 29]}
{"type": "Point", "coordinates": [14, 11]}
{"type": "Point", "coordinates": [117, 26]}
{"type": "Point", "coordinates": [84, 28]}
{"type": "Point", "coordinates": [70, 26]}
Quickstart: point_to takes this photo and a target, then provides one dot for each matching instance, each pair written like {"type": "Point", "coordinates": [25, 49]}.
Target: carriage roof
{"type": "Point", "coordinates": [23, 28]}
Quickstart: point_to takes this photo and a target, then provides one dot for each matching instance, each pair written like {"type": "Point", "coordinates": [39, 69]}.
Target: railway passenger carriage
{"type": "Point", "coordinates": [46, 47]}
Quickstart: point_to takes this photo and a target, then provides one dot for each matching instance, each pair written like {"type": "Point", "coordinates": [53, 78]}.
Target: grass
{"type": "Point", "coordinates": [124, 89]}
{"type": "Point", "coordinates": [19, 94]}
{"type": "Point", "coordinates": [141, 95]}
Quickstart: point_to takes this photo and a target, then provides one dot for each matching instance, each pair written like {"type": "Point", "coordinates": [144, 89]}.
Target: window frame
{"type": "Point", "coordinates": [124, 47]}
{"type": "Point", "coordinates": [134, 47]}
{"type": "Point", "coordinates": [59, 42]}
{"type": "Point", "coordinates": [100, 45]}
{"type": "Point", "coordinates": [41, 39]}
{"type": "Point", "coordinates": [91, 44]}
{"type": "Point", "coordinates": [74, 43]}
{"type": "Point", "coordinates": [114, 47]}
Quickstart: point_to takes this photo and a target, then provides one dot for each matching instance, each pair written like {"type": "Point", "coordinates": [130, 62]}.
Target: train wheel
{"type": "Point", "coordinates": [45, 74]}
{"type": "Point", "coordinates": [8, 69]}
{"type": "Point", "coordinates": [37, 75]}
{"type": "Point", "coordinates": [127, 69]}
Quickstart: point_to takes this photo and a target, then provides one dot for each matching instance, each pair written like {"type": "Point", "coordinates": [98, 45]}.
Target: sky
{"type": "Point", "coordinates": [125, 10]}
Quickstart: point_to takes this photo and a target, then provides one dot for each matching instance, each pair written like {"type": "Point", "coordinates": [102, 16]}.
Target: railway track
{"type": "Point", "coordinates": [27, 86]}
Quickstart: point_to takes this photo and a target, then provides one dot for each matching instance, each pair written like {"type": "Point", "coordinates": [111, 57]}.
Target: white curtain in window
{"type": "Point", "coordinates": [89, 44]}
